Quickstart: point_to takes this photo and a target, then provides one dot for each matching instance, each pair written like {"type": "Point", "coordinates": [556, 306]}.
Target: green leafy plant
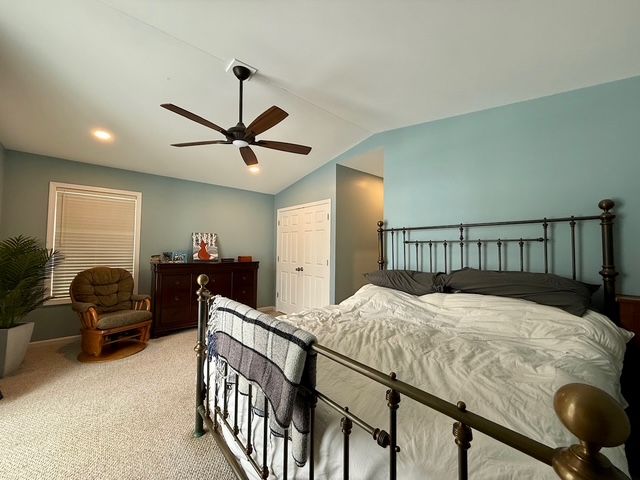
{"type": "Point", "coordinates": [25, 266]}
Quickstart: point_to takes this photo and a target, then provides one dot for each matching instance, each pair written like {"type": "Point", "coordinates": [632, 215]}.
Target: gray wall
{"type": "Point", "coordinates": [171, 210]}
{"type": "Point", "coordinates": [359, 205]}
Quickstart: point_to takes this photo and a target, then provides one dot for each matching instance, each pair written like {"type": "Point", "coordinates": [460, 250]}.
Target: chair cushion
{"type": "Point", "coordinates": [122, 318]}
{"type": "Point", "coordinates": [109, 289]}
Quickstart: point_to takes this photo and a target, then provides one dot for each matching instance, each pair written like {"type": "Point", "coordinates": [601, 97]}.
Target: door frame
{"type": "Point", "coordinates": [327, 202]}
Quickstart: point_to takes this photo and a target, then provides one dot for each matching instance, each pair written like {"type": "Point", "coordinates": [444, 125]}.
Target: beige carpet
{"type": "Point", "coordinates": [128, 419]}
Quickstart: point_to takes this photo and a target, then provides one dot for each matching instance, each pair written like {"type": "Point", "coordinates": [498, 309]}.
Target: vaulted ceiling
{"type": "Point", "coordinates": [343, 70]}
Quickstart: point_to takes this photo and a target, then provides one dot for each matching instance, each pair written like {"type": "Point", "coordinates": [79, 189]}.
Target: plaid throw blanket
{"type": "Point", "coordinates": [273, 355]}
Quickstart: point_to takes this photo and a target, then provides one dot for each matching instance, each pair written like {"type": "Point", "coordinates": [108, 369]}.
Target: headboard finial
{"type": "Point", "coordinates": [380, 224]}
{"type": "Point", "coordinates": [606, 204]}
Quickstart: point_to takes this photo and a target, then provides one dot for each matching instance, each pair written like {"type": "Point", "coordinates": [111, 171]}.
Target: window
{"type": "Point", "coordinates": [91, 226]}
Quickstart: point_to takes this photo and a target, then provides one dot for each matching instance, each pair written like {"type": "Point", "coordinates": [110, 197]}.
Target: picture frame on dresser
{"type": "Point", "coordinates": [174, 286]}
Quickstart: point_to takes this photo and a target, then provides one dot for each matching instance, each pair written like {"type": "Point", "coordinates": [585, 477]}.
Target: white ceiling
{"type": "Point", "coordinates": [342, 69]}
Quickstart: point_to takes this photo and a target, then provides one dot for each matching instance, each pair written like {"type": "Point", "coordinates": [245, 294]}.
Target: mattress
{"type": "Point", "coordinates": [505, 358]}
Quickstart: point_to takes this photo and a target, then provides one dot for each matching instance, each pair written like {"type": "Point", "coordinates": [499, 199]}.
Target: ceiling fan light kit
{"type": "Point", "coordinates": [240, 136]}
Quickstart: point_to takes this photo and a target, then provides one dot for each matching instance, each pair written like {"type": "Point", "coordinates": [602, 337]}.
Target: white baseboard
{"type": "Point", "coordinates": [266, 309]}
{"type": "Point", "coordinates": [57, 339]}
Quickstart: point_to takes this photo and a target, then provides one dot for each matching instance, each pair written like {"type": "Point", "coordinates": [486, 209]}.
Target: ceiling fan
{"type": "Point", "coordinates": [241, 136]}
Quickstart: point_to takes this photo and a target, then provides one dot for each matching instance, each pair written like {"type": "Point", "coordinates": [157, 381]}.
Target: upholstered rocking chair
{"type": "Point", "coordinates": [116, 322]}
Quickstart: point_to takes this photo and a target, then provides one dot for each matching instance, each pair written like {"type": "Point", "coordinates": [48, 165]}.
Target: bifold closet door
{"type": "Point", "coordinates": [303, 251]}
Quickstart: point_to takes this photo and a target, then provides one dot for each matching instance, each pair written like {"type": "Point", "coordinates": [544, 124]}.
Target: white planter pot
{"type": "Point", "coordinates": [13, 346]}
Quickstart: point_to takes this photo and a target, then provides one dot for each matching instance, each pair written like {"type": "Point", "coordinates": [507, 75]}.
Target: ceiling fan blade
{"type": "Point", "coordinates": [194, 117]}
{"type": "Point", "coordinates": [248, 156]}
{"type": "Point", "coordinates": [285, 147]}
{"type": "Point", "coordinates": [206, 142]}
{"type": "Point", "coordinates": [267, 119]}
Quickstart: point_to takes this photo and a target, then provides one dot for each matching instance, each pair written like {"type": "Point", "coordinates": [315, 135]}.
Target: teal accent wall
{"type": "Point", "coordinates": [171, 210]}
{"type": "Point", "coordinates": [359, 205]}
{"type": "Point", "coordinates": [557, 155]}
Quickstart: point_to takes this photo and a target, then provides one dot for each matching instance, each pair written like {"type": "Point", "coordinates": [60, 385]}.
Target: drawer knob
{"type": "Point", "coordinates": [176, 299]}
{"type": "Point", "coordinates": [244, 291]}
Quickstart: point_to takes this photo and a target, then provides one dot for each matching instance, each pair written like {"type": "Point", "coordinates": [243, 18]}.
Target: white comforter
{"type": "Point", "coordinates": [504, 358]}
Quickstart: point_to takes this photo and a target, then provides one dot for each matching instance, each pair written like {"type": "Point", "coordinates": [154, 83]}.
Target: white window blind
{"type": "Point", "coordinates": [91, 227]}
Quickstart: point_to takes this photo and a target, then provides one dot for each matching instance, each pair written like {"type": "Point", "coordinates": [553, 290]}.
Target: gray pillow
{"type": "Point", "coordinates": [543, 288]}
{"type": "Point", "coordinates": [408, 281]}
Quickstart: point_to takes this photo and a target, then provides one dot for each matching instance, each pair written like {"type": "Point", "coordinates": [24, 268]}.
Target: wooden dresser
{"type": "Point", "coordinates": [630, 315]}
{"type": "Point", "coordinates": [173, 290]}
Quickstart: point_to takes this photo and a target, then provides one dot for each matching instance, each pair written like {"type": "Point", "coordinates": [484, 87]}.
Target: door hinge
{"type": "Point", "coordinates": [327, 263]}
{"type": "Point", "coordinates": [327, 216]}
{"type": "Point", "coordinates": [277, 294]}
{"type": "Point", "coordinates": [278, 222]}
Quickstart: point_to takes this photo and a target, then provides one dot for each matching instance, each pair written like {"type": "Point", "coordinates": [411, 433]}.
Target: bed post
{"type": "Point", "coordinates": [608, 271]}
{"type": "Point", "coordinates": [203, 301]}
{"type": "Point", "coordinates": [380, 245]}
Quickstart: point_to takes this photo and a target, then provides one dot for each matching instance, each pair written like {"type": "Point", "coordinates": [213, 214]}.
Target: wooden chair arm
{"type": "Point", "coordinates": [89, 317]}
{"type": "Point", "coordinates": [141, 302]}
{"type": "Point", "coordinates": [81, 307]}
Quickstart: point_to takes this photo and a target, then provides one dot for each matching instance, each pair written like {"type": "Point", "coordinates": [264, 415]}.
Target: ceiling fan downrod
{"type": "Point", "coordinates": [241, 73]}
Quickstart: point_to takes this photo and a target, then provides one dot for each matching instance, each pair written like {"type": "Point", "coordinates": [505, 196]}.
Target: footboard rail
{"type": "Point", "coordinates": [593, 416]}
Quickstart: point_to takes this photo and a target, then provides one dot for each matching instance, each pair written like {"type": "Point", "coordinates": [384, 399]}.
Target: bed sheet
{"type": "Point", "coordinates": [505, 358]}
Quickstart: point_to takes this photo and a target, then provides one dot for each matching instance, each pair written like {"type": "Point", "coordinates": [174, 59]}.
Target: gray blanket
{"type": "Point", "coordinates": [273, 355]}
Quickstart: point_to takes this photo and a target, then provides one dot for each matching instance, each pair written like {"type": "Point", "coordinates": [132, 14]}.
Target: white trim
{"type": "Point", "coordinates": [51, 225]}
{"type": "Point", "coordinates": [51, 340]}
{"type": "Point", "coordinates": [304, 205]}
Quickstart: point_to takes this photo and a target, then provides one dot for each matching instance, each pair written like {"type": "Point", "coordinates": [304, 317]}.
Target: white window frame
{"type": "Point", "coordinates": [51, 226]}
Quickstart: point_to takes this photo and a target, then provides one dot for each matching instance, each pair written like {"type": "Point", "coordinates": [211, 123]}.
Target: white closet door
{"type": "Point", "coordinates": [303, 251]}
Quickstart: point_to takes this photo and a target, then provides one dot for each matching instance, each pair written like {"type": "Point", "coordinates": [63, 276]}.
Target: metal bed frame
{"type": "Point", "coordinates": [581, 408]}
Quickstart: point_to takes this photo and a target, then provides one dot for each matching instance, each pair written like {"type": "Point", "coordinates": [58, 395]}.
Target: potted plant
{"type": "Point", "coordinates": [25, 265]}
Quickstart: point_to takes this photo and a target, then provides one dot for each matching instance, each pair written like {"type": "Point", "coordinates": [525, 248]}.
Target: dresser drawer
{"type": "Point", "coordinates": [244, 287]}
{"type": "Point", "coordinates": [219, 283]}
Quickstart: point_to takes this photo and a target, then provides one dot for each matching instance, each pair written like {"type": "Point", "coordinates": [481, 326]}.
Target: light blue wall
{"type": "Point", "coordinates": [557, 155]}
{"type": "Point", "coordinates": [171, 210]}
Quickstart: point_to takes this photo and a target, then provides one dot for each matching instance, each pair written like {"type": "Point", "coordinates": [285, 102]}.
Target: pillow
{"type": "Point", "coordinates": [408, 281]}
{"type": "Point", "coordinates": [543, 288]}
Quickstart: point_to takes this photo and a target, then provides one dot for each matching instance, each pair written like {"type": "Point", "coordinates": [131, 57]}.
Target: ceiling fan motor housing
{"type": "Point", "coordinates": [241, 73]}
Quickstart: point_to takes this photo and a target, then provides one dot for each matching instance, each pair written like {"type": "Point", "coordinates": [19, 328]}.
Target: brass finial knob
{"type": "Point", "coordinates": [592, 415]}
{"type": "Point", "coordinates": [598, 420]}
{"type": "Point", "coordinates": [606, 204]}
{"type": "Point", "coordinates": [202, 279]}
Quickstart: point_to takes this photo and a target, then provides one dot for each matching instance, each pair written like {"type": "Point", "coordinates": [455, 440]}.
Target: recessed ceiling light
{"type": "Point", "coordinates": [102, 135]}
{"type": "Point", "coordinates": [254, 169]}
